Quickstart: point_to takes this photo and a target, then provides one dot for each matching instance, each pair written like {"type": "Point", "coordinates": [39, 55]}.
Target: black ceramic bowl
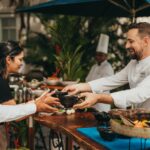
{"type": "Point", "coordinates": [102, 118]}
{"type": "Point", "coordinates": [106, 133]}
{"type": "Point", "coordinates": [59, 94]}
{"type": "Point", "coordinates": [68, 100]}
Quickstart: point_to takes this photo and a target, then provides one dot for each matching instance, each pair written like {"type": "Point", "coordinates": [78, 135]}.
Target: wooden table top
{"type": "Point", "coordinates": [67, 124]}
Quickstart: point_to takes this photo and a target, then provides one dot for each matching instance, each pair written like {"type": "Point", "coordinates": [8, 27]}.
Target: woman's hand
{"type": "Point", "coordinates": [46, 103]}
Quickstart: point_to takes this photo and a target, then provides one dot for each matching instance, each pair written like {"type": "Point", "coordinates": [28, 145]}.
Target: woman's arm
{"type": "Point", "coordinates": [9, 102]}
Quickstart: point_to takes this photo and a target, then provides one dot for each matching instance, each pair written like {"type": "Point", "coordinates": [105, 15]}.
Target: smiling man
{"type": "Point", "coordinates": [136, 73]}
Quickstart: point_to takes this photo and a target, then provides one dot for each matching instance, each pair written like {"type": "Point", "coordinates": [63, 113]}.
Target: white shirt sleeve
{"type": "Point", "coordinates": [136, 95]}
{"type": "Point", "coordinates": [10, 113]}
{"type": "Point", "coordinates": [111, 82]}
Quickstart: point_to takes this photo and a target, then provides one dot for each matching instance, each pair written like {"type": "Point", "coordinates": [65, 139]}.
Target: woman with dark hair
{"type": "Point", "coordinates": [11, 56]}
{"type": "Point", "coordinates": [11, 59]}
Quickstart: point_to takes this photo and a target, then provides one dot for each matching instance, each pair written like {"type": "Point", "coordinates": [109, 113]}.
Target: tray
{"type": "Point", "coordinates": [131, 114]}
{"type": "Point", "coordinates": [129, 131]}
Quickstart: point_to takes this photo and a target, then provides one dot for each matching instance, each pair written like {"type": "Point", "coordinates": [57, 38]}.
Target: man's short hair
{"type": "Point", "coordinates": [143, 28]}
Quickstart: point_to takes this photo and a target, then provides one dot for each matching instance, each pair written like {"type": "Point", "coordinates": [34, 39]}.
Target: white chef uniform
{"type": "Point", "coordinates": [100, 71]}
{"type": "Point", "coordinates": [137, 74]}
{"type": "Point", "coordinates": [14, 112]}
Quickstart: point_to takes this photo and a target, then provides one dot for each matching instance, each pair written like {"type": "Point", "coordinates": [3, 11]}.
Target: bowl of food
{"type": "Point", "coordinates": [68, 100]}
{"type": "Point", "coordinates": [53, 81]}
{"type": "Point", "coordinates": [34, 84]}
{"type": "Point", "coordinates": [106, 133]}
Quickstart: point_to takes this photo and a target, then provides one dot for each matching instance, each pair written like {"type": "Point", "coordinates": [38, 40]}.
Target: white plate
{"type": "Point", "coordinates": [38, 92]}
{"type": "Point", "coordinates": [53, 82]}
{"type": "Point", "coordinates": [69, 82]}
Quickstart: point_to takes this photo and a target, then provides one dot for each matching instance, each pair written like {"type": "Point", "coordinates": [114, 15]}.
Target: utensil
{"type": "Point", "coordinates": [127, 121]}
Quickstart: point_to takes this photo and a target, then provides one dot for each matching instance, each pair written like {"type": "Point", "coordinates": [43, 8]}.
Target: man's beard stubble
{"type": "Point", "coordinates": [135, 55]}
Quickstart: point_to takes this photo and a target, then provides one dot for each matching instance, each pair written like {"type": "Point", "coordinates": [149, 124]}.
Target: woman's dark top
{"type": "Point", "coordinates": [5, 91]}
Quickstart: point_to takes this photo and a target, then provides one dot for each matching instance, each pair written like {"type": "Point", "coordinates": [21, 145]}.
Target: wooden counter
{"type": "Point", "coordinates": [67, 124]}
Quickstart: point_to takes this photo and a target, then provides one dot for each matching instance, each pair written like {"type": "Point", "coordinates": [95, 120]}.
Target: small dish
{"type": "Point", "coordinates": [38, 92]}
{"type": "Point", "coordinates": [60, 112]}
{"type": "Point", "coordinates": [34, 84]}
{"type": "Point", "coordinates": [68, 100]}
{"type": "Point", "coordinates": [53, 82]}
{"type": "Point", "coordinates": [65, 83]}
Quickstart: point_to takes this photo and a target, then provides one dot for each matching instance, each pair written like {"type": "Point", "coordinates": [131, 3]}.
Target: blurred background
{"type": "Point", "coordinates": [61, 43]}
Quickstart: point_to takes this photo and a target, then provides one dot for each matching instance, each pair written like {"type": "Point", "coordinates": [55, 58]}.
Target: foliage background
{"type": "Point", "coordinates": [64, 34]}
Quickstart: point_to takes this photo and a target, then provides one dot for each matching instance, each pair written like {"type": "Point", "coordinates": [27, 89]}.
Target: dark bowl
{"type": "Point", "coordinates": [59, 94]}
{"type": "Point", "coordinates": [106, 133]}
{"type": "Point", "coordinates": [68, 100]}
{"type": "Point", "coordinates": [102, 118]}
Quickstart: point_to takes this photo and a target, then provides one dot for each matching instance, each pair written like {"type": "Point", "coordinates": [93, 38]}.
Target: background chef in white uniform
{"type": "Point", "coordinates": [136, 73]}
{"type": "Point", "coordinates": [102, 68]}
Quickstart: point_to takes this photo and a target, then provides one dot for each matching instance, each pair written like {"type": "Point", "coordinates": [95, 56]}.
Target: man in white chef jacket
{"type": "Point", "coordinates": [136, 73]}
{"type": "Point", "coordinates": [102, 68]}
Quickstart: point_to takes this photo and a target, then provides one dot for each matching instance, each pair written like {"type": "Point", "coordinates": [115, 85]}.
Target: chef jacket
{"type": "Point", "coordinates": [14, 112]}
{"type": "Point", "coordinates": [137, 74]}
{"type": "Point", "coordinates": [99, 71]}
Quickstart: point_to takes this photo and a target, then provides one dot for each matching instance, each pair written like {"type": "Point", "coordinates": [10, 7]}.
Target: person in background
{"type": "Point", "coordinates": [11, 58]}
{"type": "Point", "coordinates": [102, 68]}
{"type": "Point", "coordinates": [136, 73]}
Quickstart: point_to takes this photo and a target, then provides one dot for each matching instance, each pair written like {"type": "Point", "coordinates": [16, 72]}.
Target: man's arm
{"type": "Point", "coordinates": [77, 88]}
{"type": "Point", "coordinates": [121, 99]}
{"type": "Point", "coordinates": [136, 95]}
{"type": "Point", "coordinates": [101, 85]}
{"type": "Point", "coordinates": [91, 99]}
{"type": "Point", "coordinates": [111, 82]}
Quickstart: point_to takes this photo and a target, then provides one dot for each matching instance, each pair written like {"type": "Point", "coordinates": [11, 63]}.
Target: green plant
{"type": "Point", "coordinates": [40, 52]}
{"type": "Point", "coordinates": [69, 63]}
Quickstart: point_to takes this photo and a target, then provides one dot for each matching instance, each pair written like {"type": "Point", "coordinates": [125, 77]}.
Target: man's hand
{"type": "Point", "coordinates": [90, 100]}
{"type": "Point", "coordinates": [77, 88]}
{"type": "Point", "coordinates": [46, 102]}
